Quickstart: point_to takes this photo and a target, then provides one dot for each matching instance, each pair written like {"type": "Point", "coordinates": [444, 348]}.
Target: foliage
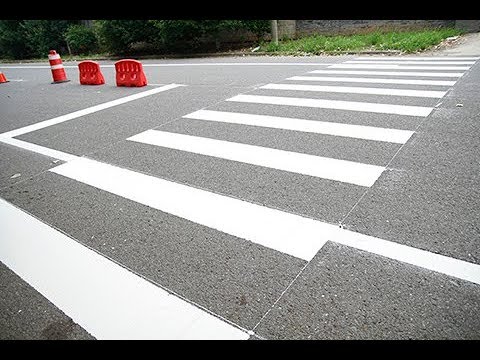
{"type": "Point", "coordinates": [81, 39]}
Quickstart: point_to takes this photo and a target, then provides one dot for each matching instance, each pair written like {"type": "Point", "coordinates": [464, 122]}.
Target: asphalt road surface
{"type": "Point", "coordinates": [243, 198]}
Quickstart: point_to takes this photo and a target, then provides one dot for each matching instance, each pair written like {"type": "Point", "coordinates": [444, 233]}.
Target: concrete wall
{"type": "Point", "coordinates": [331, 27]}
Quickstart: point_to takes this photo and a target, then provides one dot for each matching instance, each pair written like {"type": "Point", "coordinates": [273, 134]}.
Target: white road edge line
{"type": "Point", "coordinates": [356, 90]}
{"type": "Point", "coordinates": [310, 126]}
{"type": "Point", "coordinates": [104, 298]}
{"type": "Point", "coordinates": [336, 104]}
{"type": "Point", "coordinates": [410, 62]}
{"type": "Point", "coordinates": [327, 168]}
{"type": "Point", "coordinates": [373, 80]}
{"type": "Point", "coordinates": [268, 227]}
{"type": "Point", "coordinates": [90, 110]}
{"type": "Point", "coordinates": [173, 64]}
{"type": "Point", "coordinates": [389, 73]}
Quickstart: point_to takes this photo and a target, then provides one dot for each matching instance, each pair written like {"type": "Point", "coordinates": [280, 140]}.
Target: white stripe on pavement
{"type": "Point", "coordinates": [396, 67]}
{"type": "Point", "coordinates": [356, 90]}
{"type": "Point", "coordinates": [411, 62]}
{"type": "Point", "coordinates": [336, 104]}
{"type": "Point", "coordinates": [425, 259]}
{"type": "Point", "coordinates": [60, 155]}
{"type": "Point", "coordinates": [389, 73]}
{"type": "Point", "coordinates": [291, 234]}
{"type": "Point", "coordinates": [373, 80]}
{"type": "Point", "coordinates": [90, 110]}
{"type": "Point", "coordinates": [265, 226]}
{"type": "Point", "coordinates": [104, 298]}
{"type": "Point", "coordinates": [333, 169]}
{"type": "Point", "coordinates": [317, 127]}
{"type": "Point", "coordinates": [407, 58]}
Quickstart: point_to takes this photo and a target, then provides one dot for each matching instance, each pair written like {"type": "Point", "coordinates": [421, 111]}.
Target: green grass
{"type": "Point", "coordinates": [405, 41]}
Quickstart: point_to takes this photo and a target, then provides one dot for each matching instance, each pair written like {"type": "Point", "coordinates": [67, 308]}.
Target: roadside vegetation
{"type": "Point", "coordinates": [32, 39]}
{"type": "Point", "coordinates": [405, 41]}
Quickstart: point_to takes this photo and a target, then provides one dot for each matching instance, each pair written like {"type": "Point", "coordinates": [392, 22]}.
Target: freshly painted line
{"type": "Point", "coordinates": [411, 62]}
{"type": "Point", "coordinates": [334, 169]}
{"type": "Point", "coordinates": [373, 80]}
{"type": "Point", "coordinates": [60, 155]}
{"type": "Point", "coordinates": [415, 58]}
{"type": "Point", "coordinates": [90, 110]}
{"type": "Point", "coordinates": [336, 104]}
{"type": "Point", "coordinates": [396, 67]}
{"type": "Point", "coordinates": [285, 232]}
{"type": "Point", "coordinates": [356, 90]}
{"type": "Point", "coordinates": [317, 127]}
{"type": "Point", "coordinates": [291, 234]}
{"type": "Point", "coordinates": [425, 259]}
{"type": "Point", "coordinates": [104, 298]}
{"type": "Point", "coordinates": [175, 64]}
{"type": "Point", "coordinates": [389, 73]}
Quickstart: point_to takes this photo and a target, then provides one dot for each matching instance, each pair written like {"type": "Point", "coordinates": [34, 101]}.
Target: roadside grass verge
{"type": "Point", "coordinates": [404, 41]}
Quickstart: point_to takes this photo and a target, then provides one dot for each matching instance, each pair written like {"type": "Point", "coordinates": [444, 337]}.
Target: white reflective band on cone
{"type": "Point", "coordinates": [53, 57]}
{"type": "Point", "coordinates": [56, 67]}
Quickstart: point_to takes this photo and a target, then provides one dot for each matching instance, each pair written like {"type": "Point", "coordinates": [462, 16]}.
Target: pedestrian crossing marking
{"type": "Point", "coordinates": [328, 168]}
{"type": "Point", "coordinates": [373, 80]}
{"type": "Point", "coordinates": [396, 67]}
{"type": "Point", "coordinates": [392, 73]}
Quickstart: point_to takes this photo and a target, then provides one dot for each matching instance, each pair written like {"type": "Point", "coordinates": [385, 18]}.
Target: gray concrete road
{"type": "Point", "coordinates": [415, 273]}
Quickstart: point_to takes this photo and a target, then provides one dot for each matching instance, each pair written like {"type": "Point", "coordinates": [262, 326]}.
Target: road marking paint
{"type": "Point", "coordinates": [389, 73]}
{"type": "Point", "coordinates": [415, 58]}
{"type": "Point", "coordinates": [175, 64]}
{"type": "Point", "coordinates": [425, 259]}
{"type": "Point", "coordinates": [285, 232]}
{"type": "Point", "coordinates": [396, 67]}
{"type": "Point", "coordinates": [288, 233]}
{"type": "Point", "coordinates": [333, 169]}
{"type": "Point", "coordinates": [310, 126]}
{"type": "Point", "coordinates": [104, 298]}
{"type": "Point", "coordinates": [357, 90]}
{"type": "Point", "coordinates": [90, 110]}
{"type": "Point", "coordinates": [336, 104]}
{"type": "Point", "coordinates": [411, 62]}
{"type": "Point", "coordinates": [39, 149]}
{"type": "Point", "coordinates": [373, 80]}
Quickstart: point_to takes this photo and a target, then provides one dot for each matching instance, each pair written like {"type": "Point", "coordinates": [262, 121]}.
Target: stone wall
{"type": "Point", "coordinates": [332, 27]}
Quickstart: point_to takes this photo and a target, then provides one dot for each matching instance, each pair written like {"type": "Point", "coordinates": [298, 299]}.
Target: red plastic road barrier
{"type": "Point", "coordinates": [58, 72]}
{"type": "Point", "coordinates": [3, 79]}
{"type": "Point", "coordinates": [130, 73]}
{"type": "Point", "coordinates": [90, 73]}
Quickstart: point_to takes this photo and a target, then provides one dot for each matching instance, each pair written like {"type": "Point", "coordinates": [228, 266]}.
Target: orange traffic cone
{"type": "Point", "coordinates": [58, 72]}
{"type": "Point", "coordinates": [3, 79]}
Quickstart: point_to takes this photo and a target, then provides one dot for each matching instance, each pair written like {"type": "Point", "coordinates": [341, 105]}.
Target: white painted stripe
{"type": "Point", "coordinates": [106, 299]}
{"type": "Point", "coordinates": [90, 110]}
{"type": "Point", "coordinates": [178, 64]}
{"type": "Point", "coordinates": [411, 62]}
{"type": "Point", "coordinates": [288, 233]}
{"type": "Point", "coordinates": [396, 67]}
{"type": "Point", "coordinates": [373, 80]}
{"type": "Point", "coordinates": [416, 58]}
{"type": "Point", "coordinates": [56, 67]}
{"type": "Point", "coordinates": [323, 167]}
{"type": "Point", "coordinates": [60, 155]}
{"type": "Point", "coordinates": [268, 227]}
{"type": "Point", "coordinates": [356, 90]}
{"type": "Point", "coordinates": [425, 259]}
{"type": "Point", "coordinates": [54, 57]}
{"type": "Point", "coordinates": [317, 127]}
{"type": "Point", "coordinates": [336, 104]}
{"type": "Point", "coordinates": [389, 73]}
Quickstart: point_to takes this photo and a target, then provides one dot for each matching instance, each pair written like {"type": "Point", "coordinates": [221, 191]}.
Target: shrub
{"type": "Point", "coordinates": [81, 39]}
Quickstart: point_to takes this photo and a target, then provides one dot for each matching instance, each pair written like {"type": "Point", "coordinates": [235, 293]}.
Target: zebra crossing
{"type": "Point", "coordinates": [325, 134]}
